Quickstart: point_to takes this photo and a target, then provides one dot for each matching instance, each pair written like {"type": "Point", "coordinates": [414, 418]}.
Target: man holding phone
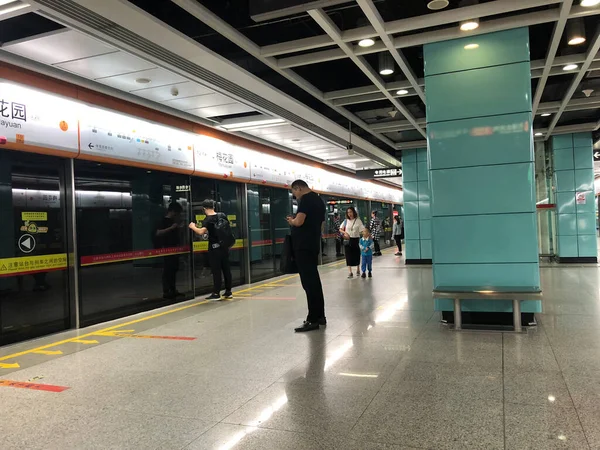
{"type": "Point", "coordinates": [306, 243]}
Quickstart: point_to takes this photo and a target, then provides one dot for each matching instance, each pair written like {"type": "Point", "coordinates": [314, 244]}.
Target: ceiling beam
{"type": "Point", "coordinates": [428, 37]}
{"type": "Point", "coordinates": [396, 125]}
{"type": "Point", "coordinates": [557, 33]}
{"type": "Point", "coordinates": [370, 10]}
{"type": "Point", "coordinates": [592, 51]}
{"type": "Point", "coordinates": [411, 24]}
{"type": "Point", "coordinates": [207, 17]}
{"type": "Point", "coordinates": [333, 31]}
{"type": "Point", "coordinates": [366, 98]}
{"type": "Point", "coordinates": [14, 9]}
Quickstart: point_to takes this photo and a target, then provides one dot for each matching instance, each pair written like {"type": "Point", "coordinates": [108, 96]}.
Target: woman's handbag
{"type": "Point", "coordinates": [347, 240]}
{"type": "Point", "coordinates": [287, 264]}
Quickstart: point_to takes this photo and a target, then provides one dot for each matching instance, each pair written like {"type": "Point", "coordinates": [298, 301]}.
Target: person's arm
{"type": "Point", "coordinates": [166, 230]}
{"type": "Point", "coordinates": [297, 221]}
{"type": "Point", "coordinates": [199, 231]}
{"type": "Point", "coordinates": [372, 244]}
{"type": "Point", "coordinates": [361, 226]}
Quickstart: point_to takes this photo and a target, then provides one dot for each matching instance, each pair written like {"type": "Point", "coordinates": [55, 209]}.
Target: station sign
{"type": "Point", "coordinates": [375, 174]}
{"type": "Point", "coordinates": [32, 120]}
{"type": "Point", "coordinates": [110, 135]}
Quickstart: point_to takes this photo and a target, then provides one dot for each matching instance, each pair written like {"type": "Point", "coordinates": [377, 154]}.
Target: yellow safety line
{"type": "Point", "coordinates": [114, 327]}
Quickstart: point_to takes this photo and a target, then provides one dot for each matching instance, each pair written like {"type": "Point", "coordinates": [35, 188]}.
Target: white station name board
{"type": "Point", "coordinates": [30, 118]}
{"type": "Point", "coordinates": [117, 136]}
{"type": "Point", "coordinates": [217, 157]}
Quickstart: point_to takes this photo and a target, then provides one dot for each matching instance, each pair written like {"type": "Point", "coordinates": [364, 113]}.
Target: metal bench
{"type": "Point", "coordinates": [516, 294]}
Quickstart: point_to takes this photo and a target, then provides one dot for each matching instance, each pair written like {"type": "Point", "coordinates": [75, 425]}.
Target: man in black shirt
{"type": "Point", "coordinates": [218, 255]}
{"type": "Point", "coordinates": [306, 240]}
{"type": "Point", "coordinates": [167, 236]}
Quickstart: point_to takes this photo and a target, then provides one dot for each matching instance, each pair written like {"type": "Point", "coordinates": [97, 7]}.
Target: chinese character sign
{"type": "Point", "coordinates": [34, 119]}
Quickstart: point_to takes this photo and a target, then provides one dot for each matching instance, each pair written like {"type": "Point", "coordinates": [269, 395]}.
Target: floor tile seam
{"type": "Point", "coordinates": [570, 396]}
{"type": "Point", "coordinates": [378, 392]}
{"type": "Point", "coordinates": [245, 403]}
{"type": "Point", "coordinates": [199, 437]}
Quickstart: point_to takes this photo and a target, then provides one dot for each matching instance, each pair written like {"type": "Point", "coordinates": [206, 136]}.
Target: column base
{"type": "Point", "coordinates": [578, 260]}
{"type": "Point", "coordinates": [414, 262]}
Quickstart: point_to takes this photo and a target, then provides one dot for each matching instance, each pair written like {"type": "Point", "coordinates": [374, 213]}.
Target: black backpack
{"type": "Point", "coordinates": [223, 231]}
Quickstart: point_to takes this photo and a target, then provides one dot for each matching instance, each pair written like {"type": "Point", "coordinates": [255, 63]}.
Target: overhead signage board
{"type": "Point", "coordinates": [31, 120]}
{"type": "Point", "coordinates": [261, 10]}
{"type": "Point", "coordinates": [217, 157]}
{"type": "Point", "coordinates": [375, 174]}
{"type": "Point", "coordinates": [112, 135]}
{"type": "Point", "coordinates": [596, 155]}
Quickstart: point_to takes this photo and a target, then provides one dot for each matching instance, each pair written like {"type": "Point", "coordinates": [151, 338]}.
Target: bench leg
{"type": "Point", "coordinates": [457, 315]}
{"type": "Point", "coordinates": [517, 315]}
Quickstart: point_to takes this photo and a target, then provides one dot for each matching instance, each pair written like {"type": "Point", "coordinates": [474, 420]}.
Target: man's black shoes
{"type": "Point", "coordinates": [307, 326]}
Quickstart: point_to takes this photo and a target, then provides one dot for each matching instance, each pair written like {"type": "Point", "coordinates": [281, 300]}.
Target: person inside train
{"type": "Point", "coordinates": [167, 236]}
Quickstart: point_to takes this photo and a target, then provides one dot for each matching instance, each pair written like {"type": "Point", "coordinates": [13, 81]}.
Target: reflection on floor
{"type": "Point", "coordinates": [383, 374]}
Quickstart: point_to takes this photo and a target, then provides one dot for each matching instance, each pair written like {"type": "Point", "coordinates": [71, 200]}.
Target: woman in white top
{"type": "Point", "coordinates": [351, 229]}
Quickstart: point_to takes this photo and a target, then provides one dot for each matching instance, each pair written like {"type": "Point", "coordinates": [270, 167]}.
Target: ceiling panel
{"type": "Point", "coordinates": [164, 93]}
{"type": "Point", "coordinates": [223, 110]}
{"type": "Point", "coordinates": [157, 77]}
{"type": "Point", "coordinates": [58, 47]}
{"type": "Point", "coordinates": [199, 101]}
{"type": "Point", "coordinates": [106, 65]}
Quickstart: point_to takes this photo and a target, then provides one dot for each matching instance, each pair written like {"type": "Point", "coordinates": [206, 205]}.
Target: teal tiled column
{"type": "Point", "coordinates": [483, 216]}
{"type": "Point", "coordinates": [417, 215]}
{"type": "Point", "coordinates": [573, 161]}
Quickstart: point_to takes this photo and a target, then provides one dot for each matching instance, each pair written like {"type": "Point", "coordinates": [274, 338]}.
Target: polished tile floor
{"type": "Point", "coordinates": [384, 374]}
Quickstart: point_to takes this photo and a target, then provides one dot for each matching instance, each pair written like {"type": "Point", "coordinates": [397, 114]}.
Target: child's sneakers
{"type": "Point", "coordinates": [364, 275]}
{"type": "Point", "coordinates": [370, 275]}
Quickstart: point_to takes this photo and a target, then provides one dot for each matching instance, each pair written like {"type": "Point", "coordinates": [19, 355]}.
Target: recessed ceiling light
{"type": "Point", "coordinates": [436, 5]}
{"type": "Point", "coordinates": [570, 67]}
{"type": "Point", "coordinates": [575, 31]}
{"type": "Point", "coordinates": [386, 63]}
{"type": "Point", "coordinates": [469, 25]}
{"type": "Point", "coordinates": [577, 41]}
{"type": "Point", "coordinates": [402, 92]}
{"type": "Point", "coordinates": [366, 42]}
{"type": "Point", "coordinates": [539, 134]}
{"type": "Point", "coordinates": [546, 115]}
{"type": "Point", "coordinates": [588, 3]}
{"type": "Point", "coordinates": [143, 80]}
{"type": "Point", "coordinates": [471, 46]}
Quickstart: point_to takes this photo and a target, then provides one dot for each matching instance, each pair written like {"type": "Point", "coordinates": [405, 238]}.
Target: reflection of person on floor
{"type": "Point", "coordinates": [218, 255]}
{"type": "Point", "coordinates": [167, 236]}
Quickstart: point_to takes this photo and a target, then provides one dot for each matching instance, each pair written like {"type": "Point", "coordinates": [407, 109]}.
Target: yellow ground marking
{"type": "Point", "coordinates": [9, 366]}
{"type": "Point", "coordinates": [48, 352]}
{"type": "Point", "coordinates": [114, 327]}
{"type": "Point", "coordinates": [85, 341]}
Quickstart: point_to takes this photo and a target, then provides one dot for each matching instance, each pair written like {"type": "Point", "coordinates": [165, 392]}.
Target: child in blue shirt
{"type": "Point", "coordinates": [367, 245]}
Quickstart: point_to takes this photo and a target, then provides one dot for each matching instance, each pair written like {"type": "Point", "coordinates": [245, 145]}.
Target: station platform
{"type": "Point", "coordinates": [383, 374]}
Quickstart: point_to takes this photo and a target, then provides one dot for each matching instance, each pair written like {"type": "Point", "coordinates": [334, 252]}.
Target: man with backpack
{"type": "Point", "coordinates": [220, 240]}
